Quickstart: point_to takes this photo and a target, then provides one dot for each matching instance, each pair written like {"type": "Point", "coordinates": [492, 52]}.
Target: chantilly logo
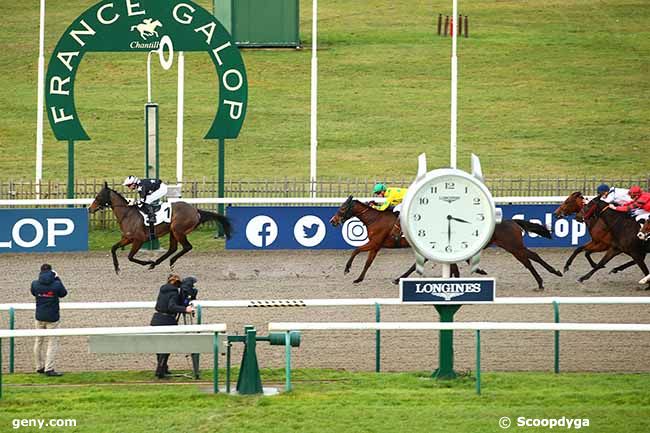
{"type": "Point", "coordinates": [147, 29]}
{"type": "Point", "coordinates": [447, 291]}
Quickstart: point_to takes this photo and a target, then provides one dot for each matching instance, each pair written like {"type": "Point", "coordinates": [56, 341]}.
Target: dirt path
{"type": "Point", "coordinates": [311, 274]}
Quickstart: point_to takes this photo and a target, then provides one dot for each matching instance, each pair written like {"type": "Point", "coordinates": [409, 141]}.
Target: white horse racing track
{"type": "Point", "coordinates": [319, 274]}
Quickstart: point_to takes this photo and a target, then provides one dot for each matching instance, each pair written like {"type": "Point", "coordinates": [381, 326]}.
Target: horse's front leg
{"type": "Point", "coordinates": [405, 274]}
{"type": "Point", "coordinates": [573, 256]}
{"type": "Point", "coordinates": [622, 267]}
{"type": "Point", "coordinates": [173, 246]}
{"type": "Point", "coordinates": [611, 253]}
{"type": "Point", "coordinates": [122, 242]}
{"type": "Point", "coordinates": [348, 265]}
{"type": "Point", "coordinates": [137, 244]}
{"type": "Point", "coordinates": [371, 257]}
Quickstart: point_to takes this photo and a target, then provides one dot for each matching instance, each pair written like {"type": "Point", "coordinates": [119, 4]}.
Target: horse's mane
{"type": "Point", "coordinates": [116, 192]}
{"type": "Point", "coordinates": [361, 203]}
{"type": "Point", "coordinates": [612, 218]}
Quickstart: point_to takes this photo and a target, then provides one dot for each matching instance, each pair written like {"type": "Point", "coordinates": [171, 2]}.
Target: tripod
{"type": "Point", "coordinates": [188, 319]}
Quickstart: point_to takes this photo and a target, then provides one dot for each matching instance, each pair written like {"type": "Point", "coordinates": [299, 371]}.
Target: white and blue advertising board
{"type": "Point", "coordinates": [446, 290]}
{"type": "Point", "coordinates": [308, 227]}
{"type": "Point", "coordinates": [43, 230]}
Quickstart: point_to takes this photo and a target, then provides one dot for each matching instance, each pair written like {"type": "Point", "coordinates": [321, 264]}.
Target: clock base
{"type": "Point", "coordinates": [445, 368]}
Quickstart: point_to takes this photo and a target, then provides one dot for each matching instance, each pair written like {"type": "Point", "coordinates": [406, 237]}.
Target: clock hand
{"type": "Point", "coordinates": [449, 217]}
{"type": "Point", "coordinates": [459, 220]}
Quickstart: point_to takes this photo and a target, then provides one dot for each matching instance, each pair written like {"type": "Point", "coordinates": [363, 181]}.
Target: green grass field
{"type": "Point", "coordinates": [547, 88]}
{"type": "Point", "coordinates": [331, 401]}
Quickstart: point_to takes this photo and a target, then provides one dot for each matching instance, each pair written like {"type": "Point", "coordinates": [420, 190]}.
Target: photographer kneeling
{"type": "Point", "coordinates": [169, 305]}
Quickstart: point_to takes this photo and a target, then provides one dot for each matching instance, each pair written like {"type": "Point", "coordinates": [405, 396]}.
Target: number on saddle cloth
{"type": "Point", "coordinates": [161, 213]}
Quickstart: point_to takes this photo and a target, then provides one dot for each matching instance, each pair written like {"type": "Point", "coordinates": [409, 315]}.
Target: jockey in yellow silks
{"type": "Point", "coordinates": [393, 198]}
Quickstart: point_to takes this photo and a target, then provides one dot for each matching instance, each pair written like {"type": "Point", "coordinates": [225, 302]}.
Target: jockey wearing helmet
{"type": "Point", "coordinates": [393, 198]}
{"type": "Point", "coordinates": [638, 206]}
{"type": "Point", "coordinates": [151, 191]}
{"type": "Point", "coordinates": [615, 196]}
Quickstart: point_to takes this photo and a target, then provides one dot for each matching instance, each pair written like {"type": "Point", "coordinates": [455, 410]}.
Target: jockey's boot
{"type": "Point", "coordinates": [151, 220]}
{"type": "Point", "coordinates": [396, 231]}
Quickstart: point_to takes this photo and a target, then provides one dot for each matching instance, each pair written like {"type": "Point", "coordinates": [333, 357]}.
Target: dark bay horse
{"type": "Point", "coordinates": [185, 218]}
{"type": "Point", "coordinates": [624, 232]}
{"type": "Point", "coordinates": [507, 235]}
{"type": "Point", "coordinates": [601, 237]}
{"type": "Point", "coordinates": [379, 224]}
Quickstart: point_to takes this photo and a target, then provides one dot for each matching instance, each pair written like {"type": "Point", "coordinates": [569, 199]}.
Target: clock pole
{"type": "Point", "coordinates": [418, 195]}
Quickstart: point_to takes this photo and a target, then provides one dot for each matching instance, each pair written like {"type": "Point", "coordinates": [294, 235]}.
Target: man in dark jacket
{"type": "Point", "coordinates": [47, 290]}
{"type": "Point", "coordinates": [168, 308]}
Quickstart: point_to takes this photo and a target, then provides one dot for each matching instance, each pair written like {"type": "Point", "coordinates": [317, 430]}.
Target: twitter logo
{"type": "Point", "coordinates": [309, 231]}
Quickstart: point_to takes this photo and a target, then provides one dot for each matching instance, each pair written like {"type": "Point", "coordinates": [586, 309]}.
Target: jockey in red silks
{"type": "Point", "coordinates": [639, 206]}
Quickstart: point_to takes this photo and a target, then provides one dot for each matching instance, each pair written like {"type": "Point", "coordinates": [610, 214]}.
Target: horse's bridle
{"type": "Point", "coordinates": [348, 212]}
{"type": "Point", "coordinates": [107, 203]}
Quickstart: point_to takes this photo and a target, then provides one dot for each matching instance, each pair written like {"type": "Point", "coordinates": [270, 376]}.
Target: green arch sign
{"type": "Point", "coordinates": [142, 26]}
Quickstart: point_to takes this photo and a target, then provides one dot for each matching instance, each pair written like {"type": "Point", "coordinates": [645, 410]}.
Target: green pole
{"type": "Point", "coordinates": [445, 368]}
{"type": "Point", "coordinates": [478, 361]}
{"type": "Point", "coordinates": [70, 168]}
{"type": "Point", "coordinates": [228, 346]}
{"type": "Point", "coordinates": [0, 368]}
{"type": "Point", "coordinates": [215, 363]}
{"type": "Point", "coordinates": [11, 339]}
{"type": "Point", "coordinates": [556, 314]}
{"type": "Point", "coordinates": [221, 180]}
{"type": "Point", "coordinates": [287, 358]}
{"type": "Point", "coordinates": [377, 339]}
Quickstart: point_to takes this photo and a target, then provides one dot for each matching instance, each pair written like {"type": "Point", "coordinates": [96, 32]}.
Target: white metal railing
{"type": "Point", "coordinates": [501, 326]}
{"type": "Point", "coordinates": [61, 332]}
{"type": "Point", "coordinates": [265, 303]}
{"type": "Point", "coordinates": [263, 200]}
{"type": "Point", "coordinates": [213, 328]}
{"type": "Point", "coordinates": [289, 327]}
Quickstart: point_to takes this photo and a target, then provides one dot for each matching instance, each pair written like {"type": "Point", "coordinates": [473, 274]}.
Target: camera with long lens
{"type": "Point", "coordinates": [188, 292]}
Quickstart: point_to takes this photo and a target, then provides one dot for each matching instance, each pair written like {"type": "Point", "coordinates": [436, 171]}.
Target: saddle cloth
{"type": "Point", "coordinates": [640, 214]}
{"type": "Point", "coordinates": [163, 214]}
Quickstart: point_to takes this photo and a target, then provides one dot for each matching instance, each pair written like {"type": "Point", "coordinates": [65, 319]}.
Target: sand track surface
{"type": "Point", "coordinates": [319, 274]}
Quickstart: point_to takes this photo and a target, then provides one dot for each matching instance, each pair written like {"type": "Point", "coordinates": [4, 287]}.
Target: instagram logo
{"type": "Point", "coordinates": [355, 232]}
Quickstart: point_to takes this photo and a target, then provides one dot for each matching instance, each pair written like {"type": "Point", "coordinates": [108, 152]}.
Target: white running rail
{"type": "Point", "coordinates": [514, 326]}
{"type": "Point", "coordinates": [61, 332]}
{"type": "Point", "coordinates": [270, 303]}
{"type": "Point", "coordinates": [261, 200]}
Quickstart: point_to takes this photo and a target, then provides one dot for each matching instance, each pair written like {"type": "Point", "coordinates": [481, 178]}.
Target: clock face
{"type": "Point", "coordinates": [448, 215]}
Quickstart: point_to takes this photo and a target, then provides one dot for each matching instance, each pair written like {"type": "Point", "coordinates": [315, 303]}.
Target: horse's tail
{"type": "Point", "coordinates": [538, 229]}
{"type": "Point", "coordinates": [133, 27]}
{"type": "Point", "coordinates": [206, 216]}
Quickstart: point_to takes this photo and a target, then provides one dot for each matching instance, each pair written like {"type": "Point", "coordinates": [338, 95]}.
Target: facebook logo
{"type": "Point", "coordinates": [261, 231]}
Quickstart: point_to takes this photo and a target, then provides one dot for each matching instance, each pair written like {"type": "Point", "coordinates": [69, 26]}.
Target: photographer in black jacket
{"type": "Point", "coordinates": [169, 306]}
{"type": "Point", "coordinates": [47, 290]}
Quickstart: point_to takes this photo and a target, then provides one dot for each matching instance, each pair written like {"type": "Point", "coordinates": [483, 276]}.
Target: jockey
{"type": "Point", "coordinates": [638, 206]}
{"type": "Point", "coordinates": [151, 191]}
{"type": "Point", "coordinates": [615, 196]}
{"type": "Point", "coordinates": [394, 197]}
